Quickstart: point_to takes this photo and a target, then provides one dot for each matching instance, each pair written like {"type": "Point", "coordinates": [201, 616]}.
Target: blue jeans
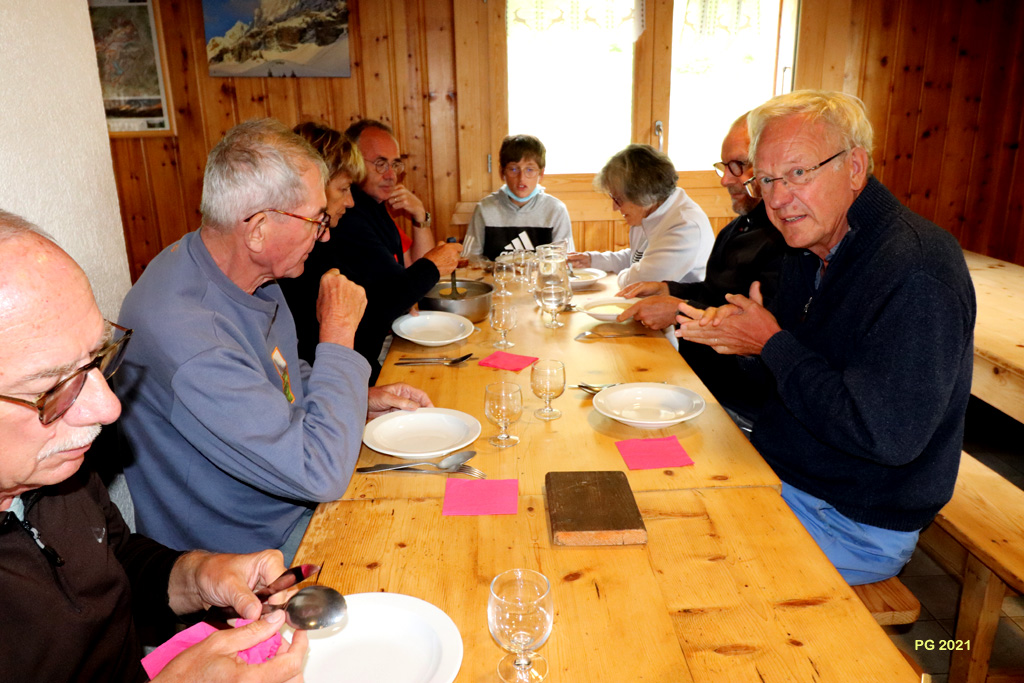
{"type": "Point", "coordinates": [862, 553]}
{"type": "Point", "coordinates": [291, 544]}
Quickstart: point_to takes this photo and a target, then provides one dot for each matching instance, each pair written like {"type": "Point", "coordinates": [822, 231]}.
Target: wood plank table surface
{"type": "Point", "coordinates": [999, 333]}
{"type": "Point", "coordinates": [582, 439]}
{"type": "Point", "coordinates": [728, 589]}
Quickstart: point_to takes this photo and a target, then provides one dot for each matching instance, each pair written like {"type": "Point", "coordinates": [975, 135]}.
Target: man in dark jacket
{"type": "Point", "coordinates": [749, 249]}
{"type": "Point", "coordinates": [72, 575]}
{"type": "Point", "coordinates": [869, 343]}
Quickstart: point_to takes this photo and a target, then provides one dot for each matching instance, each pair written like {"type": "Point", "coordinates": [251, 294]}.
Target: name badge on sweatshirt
{"type": "Point", "coordinates": [282, 369]}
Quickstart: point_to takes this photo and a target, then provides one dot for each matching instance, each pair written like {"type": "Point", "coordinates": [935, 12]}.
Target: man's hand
{"type": "Point", "coordinates": [403, 199]}
{"type": "Point", "coordinates": [200, 580]}
{"type": "Point", "coordinates": [578, 260]}
{"type": "Point", "coordinates": [339, 308]}
{"type": "Point", "coordinates": [392, 397]}
{"type": "Point", "coordinates": [642, 289]}
{"type": "Point", "coordinates": [215, 658]}
{"type": "Point", "coordinates": [654, 312]}
{"type": "Point", "coordinates": [445, 256]}
{"type": "Point", "coordinates": [743, 326]}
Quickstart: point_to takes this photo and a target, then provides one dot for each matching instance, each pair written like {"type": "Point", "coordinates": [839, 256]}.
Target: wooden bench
{"type": "Point", "coordinates": [979, 538]}
{"type": "Point", "coordinates": [890, 602]}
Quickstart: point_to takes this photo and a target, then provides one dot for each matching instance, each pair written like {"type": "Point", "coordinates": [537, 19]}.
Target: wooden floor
{"type": "Point", "coordinates": [994, 439]}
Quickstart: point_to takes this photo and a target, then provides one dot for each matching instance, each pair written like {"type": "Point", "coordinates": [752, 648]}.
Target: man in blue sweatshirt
{"type": "Point", "coordinates": [234, 439]}
{"type": "Point", "coordinates": [868, 346]}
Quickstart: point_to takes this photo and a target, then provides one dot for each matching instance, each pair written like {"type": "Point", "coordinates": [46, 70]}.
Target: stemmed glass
{"type": "Point", "coordinates": [504, 271]}
{"type": "Point", "coordinates": [552, 298]}
{"type": "Point", "coordinates": [520, 615]}
{"type": "Point", "coordinates": [547, 379]}
{"type": "Point", "coordinates": [503, 405]}
{"type": "Point", "coordinates": [503, 319]}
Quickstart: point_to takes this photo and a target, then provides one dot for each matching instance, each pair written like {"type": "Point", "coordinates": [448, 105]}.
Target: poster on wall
{"type": "Point", "coordinates": [261, 38]}
{"type": "Point", "coordinates": [131, 73]}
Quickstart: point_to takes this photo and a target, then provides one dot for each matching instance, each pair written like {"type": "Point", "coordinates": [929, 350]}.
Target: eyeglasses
{"type": "Point", "coordinates": [322, 223]}
{"type": "Point", "coordinates": [759, 187]}
{"type": "Point", "coordinates": [618, 201]}
{"type": "Point", "coordinates": [735, 167]}
{"type": "Point", "coordinates": [382, 164]}
{"type": "Point", "coordinates": [526, 171]}
{"type": "Point", "coordinates": [52, 404]}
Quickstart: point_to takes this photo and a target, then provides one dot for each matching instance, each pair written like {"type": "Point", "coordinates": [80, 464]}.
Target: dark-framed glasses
{"type": "Point", "coordinates": [760, 186]}
{"type": "Point", "coordinates": [735, 167]}
{"type": "Point", "coordinates": [53, 403]}
{"type": "Point", "coordinates": [526, 171]}
{"type": "Point", "coordinates": [321, 223]}
{"type": "Point", "coordinates": [382, 165]}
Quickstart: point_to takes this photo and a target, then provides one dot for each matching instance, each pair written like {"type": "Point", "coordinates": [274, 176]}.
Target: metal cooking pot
{"type": "Point", "coordinates": [474, 305]}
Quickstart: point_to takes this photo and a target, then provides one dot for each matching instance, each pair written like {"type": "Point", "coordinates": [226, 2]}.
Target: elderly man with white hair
{"type": "Point", "coordinates": [235, 439]}
{"type": "Point", "coordinates": [868, 344]}
{"type": "Point", "coordinates": [76, 582]}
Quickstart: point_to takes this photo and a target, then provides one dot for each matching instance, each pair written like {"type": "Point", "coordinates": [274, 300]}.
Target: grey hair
{"type": "Point", "coordinates": [258, 165]}
{"type": "Point", "coordinates": [13, 226]}
{"type": "Point", "coordinates": [844, 114]}
{"type": "Point", "coordinates": [355, 131]}
{"type": "Point", "coordinates": [639, 173]}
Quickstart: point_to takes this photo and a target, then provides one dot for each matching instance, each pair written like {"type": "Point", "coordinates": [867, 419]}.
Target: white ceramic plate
{"type": "Point", "coordinates": [607, 310]}
{"type": "Point", "coordinates": [648, 405]}
{"type": "Point", "coordinates": [386, 638]}
{"type": "Point", "coordinates": [585, 278]}
{"type": "Point", "coordinates": [421, 434]}
{"type": "Point", "coordinates": [432, 328]}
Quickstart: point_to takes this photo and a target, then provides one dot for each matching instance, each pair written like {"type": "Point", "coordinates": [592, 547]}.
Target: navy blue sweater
{"type": "Point", "coordinates": [872, 382]}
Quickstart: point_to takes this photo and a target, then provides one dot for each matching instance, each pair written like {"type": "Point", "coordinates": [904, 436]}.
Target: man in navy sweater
{"type": "Point", "coordinates": [869, 342]}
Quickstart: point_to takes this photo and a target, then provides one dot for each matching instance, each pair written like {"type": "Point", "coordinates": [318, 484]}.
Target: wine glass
{"type": "Point", "coordinates": [547, 379]}
{"type": "Point", "coordinates": [503, 319]}
{"type": "Point", "coordinates": [552, 298]}
{"type": "Point", "coordinates": [504, 271]}
{"type": "Point", "coordinates": [503, 405]}
{"type": "Point", "coordinates": [519, 259]}
{"type": "Point", "coordinates": [520, 615]}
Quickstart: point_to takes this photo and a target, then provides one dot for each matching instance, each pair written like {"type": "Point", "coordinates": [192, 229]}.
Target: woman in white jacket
{"type": "Point", "coordinates": [670, 237]}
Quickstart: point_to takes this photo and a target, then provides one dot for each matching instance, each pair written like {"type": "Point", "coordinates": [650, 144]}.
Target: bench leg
{"type": "Point", "coordinates": [980, 605]}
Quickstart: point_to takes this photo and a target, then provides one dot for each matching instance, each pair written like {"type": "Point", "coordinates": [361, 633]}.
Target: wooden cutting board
{"type": "Point", "coordinates": [593, 508]}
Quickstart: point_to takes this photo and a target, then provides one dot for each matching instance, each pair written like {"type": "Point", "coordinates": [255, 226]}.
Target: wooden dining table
{"type": "Point", "coordinates": [728, 588]}
{"type": "Point", "coordinates": [998, 333]}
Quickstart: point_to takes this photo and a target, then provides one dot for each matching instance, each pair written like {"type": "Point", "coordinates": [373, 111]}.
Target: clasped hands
{"type": "Point", "coordinates": [742, 327]}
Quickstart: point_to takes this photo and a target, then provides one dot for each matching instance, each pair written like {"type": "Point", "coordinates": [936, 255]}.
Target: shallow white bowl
{"type": "Point", "coordinates": [648, 405]}
{"type": "Point", "coordinates": [432, 328]}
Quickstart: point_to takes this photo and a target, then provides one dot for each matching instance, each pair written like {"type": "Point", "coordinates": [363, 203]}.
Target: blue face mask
{"type": "Point", "coordinates": [513, 197]}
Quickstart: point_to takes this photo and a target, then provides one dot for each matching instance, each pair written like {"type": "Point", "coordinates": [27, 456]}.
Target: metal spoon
{"type": "Point", "coordinates": [312, 608]}
{"type": "Point", "coordinates": [449, 463]}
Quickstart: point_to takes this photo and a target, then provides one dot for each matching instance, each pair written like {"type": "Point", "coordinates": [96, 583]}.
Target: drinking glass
{"type": "Point", "coordinates": [547, 379]}
{"type": "Point", "coordinates": [504, 271]}
{"type": "Point", "coordinates": [503, 319]}
{"type": "Point", "coordinates": [503, 405]}
{"type": "Point", "coordinates": [552, 299]}
{"type": "Point", "coordinates": [520, 615]}
{"type": "Point", "coordinates": [519, 259]}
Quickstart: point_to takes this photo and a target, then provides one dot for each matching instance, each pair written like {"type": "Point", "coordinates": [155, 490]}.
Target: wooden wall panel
{"type": "Point", "coordinates": [944, 87]}
{"type": "Point", "coordinates": [942, 79]}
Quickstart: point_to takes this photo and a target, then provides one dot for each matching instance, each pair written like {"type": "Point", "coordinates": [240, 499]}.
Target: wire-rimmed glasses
{"type": "Point", "coordinates": [760, 186]}
{"type": "Point", "coordinates": [322, 223]}
{"type": "Point", "coordinates": [381, 165]}
{"type": "Point", "coordinates": [53, 403]}
{"type": "Point", "coordinates": [520, 614]}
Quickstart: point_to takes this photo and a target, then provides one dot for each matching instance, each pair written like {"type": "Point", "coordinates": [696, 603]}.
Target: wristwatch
{"type": "Point", "coordinates": [425, 223]}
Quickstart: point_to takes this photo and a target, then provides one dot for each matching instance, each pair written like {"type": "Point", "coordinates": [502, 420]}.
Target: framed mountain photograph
{"type": "Point", "coordinates": [267, 38]}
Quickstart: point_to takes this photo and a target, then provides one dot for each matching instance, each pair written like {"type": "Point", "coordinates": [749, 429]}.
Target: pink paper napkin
{"type": "Point", "coordinates": [155, 661]}
{"type": "Point", "coordinates": [652, 454]}
{"type": "Point", "coordinates": [481, 497]}
{"type": "Point", "coordinates": [507, 361]}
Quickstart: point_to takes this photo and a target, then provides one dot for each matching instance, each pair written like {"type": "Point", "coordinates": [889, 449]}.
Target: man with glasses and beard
{"type": "Point", "coordinates": [868, 344]}
{"type": "Point", "coordinates": [76, 582]}
{"type": "Point", "coordinates": [234, 439]}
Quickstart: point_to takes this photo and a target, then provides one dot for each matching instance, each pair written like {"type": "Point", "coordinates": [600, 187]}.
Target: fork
{"type": "Point", "coordinates": [468, 470]}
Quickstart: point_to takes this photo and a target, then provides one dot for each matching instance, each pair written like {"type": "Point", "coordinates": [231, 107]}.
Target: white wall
{"type": "Point", "coordinates": [55, 164]}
